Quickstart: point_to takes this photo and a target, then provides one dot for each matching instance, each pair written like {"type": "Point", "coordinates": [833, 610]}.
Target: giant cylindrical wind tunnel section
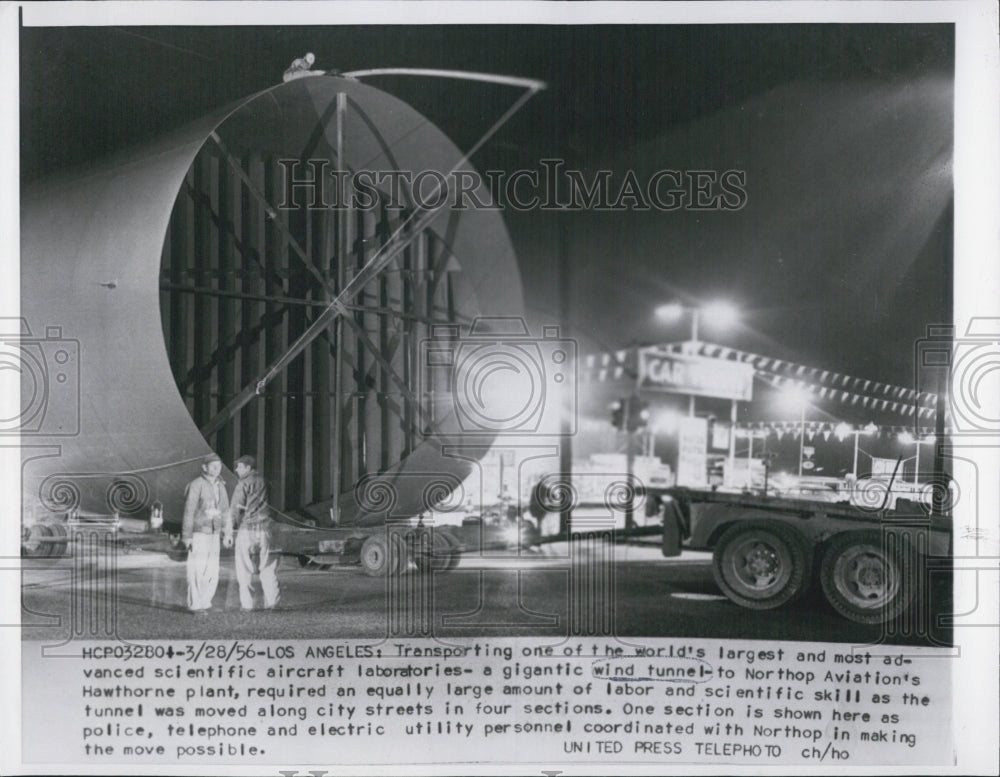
{"type": "Point", "coordinates": [197, 263]}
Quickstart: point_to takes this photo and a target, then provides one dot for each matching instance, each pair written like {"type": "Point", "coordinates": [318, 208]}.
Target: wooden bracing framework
{"type": "Point", "coordinates": [240, 282]}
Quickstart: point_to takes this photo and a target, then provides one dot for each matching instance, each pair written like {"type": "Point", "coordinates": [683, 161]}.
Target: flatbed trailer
{"type": "Point", "coordinates": [381, 550]}
{"type": "Point", "coordinates": [766, 549]}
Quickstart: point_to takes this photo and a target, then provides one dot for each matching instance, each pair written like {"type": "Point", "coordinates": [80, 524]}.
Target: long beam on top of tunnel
{"type": "Point", "coordinates": [462, 75]}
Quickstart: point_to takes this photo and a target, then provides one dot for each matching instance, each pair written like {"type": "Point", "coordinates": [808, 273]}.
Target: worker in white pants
{"type": "Point", "coordinates": [254, 526]}
{"type": "Point", "coordinates": [202, 571]}
{"type": "Point", "coordinates": [206, 513]}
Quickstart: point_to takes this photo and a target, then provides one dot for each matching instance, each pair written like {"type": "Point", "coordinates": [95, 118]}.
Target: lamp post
{"type": "Point", "coordinates": [802, 437]}
{"type": "Point", "coordinates": [797, 398]}
{"type": "Point", "coordinates": [720, 314]}
{"type": "Point", "coordinates": [844, 429]}
{"type": "Point", "coordinates": [906, 438]}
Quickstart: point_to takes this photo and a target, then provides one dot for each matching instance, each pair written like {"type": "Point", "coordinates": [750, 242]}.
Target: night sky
{"type": "Point", "coordinates": [838, 259]}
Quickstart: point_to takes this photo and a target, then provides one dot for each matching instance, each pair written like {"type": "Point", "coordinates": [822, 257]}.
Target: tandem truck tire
{"type": "Point", "coordinates": [761, 566]}
{"type": "Point", "coordinates": [383, 555]}
{"type": "Point", "coordinates": [868, 576]}
{"type": "Point", "coordinates": [436, 551]}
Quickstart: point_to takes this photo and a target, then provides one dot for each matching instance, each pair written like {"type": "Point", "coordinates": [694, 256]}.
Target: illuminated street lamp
{"type": "Point", "coordinates": [665, 421]}
{"type": "Point", "coordinates": [719, 314]}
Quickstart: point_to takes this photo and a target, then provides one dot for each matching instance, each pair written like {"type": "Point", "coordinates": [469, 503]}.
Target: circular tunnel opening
{"type": "Point", "coordinates": [265, 232]}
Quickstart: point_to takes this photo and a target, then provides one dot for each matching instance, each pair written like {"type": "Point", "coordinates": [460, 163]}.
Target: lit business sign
{"type": "Point", "coordinates": [660, 371]}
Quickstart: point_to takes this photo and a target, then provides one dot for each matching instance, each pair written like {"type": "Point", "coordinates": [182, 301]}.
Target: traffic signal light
{"type": "Point", "coordinates": [629, 414]}
{"type": "Point", "coordinates": [617, 409]}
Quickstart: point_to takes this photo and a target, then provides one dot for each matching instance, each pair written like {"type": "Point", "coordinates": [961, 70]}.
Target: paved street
{"type": "Point", "coordinates": [632, 592]}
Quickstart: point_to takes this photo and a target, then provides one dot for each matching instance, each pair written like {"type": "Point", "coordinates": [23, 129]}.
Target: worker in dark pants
{"type": "Point", "coordinates": [206, 513]}
{"type": "Point", "coordinates": [253, 536]}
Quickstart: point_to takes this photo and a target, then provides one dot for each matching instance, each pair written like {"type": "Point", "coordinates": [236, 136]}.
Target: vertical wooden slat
{"type": "Point", "coordinates": [420, 333]}
{"type": "Point", "coordinates": [215, 335]}
{"type": "Point", "coordinates": [385, 419]}
{"type": "Point", "coordinates": [294, 374]}
{"type": "Point", "coordinates": [337, 225]}
{"type": "Point", "coordinates": [322, 363]}
{"type": "Point", "coordinates": [370, 324]}
{"type": "Point", "coordinates": [451, 312]}
{"type": "Point", "coordinates": [275, 344]}
{"type": "Point", "coordinates": [241, 325]}
{"type": "Point", "coordinates": [440, 378]}
{"type": "Point", "coordinates": [306, 442]}
{"type": "Point", "coordinates": [354, 353]}
{"type": "Point", "coordinates": [227, 306]}
{"type": "Point", "coordinates": [202, 303]}
{"type": "Point", "coordinates": [410, 373]}
{"type": "Point", "coordinates": [439, 295]}
{"type": "Point", "coordinates": [430, 379]}
{"type": "Point", "coordinates": [396, 413]}
{"type": "Point", "coordinates": [260, 351]}
{"type": "Point", "coordinates": [253, 313]}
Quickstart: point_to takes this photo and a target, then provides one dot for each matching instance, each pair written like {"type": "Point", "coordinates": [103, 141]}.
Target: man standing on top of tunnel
{"type": "Point", "coordinates": [254, 527]}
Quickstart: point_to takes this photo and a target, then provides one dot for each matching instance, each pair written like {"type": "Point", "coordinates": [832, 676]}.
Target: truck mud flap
{"type": "Point", "coordinates": [673, 529]}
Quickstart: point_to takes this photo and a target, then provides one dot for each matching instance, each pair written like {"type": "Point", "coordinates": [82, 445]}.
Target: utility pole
{"type": "Point", "coordinates": [630, 416]}
{"type": "Point", "coordinates": [627, 409]}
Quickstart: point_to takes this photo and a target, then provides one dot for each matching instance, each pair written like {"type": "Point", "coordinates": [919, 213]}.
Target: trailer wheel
{"type": "Point", "coordinates": [177, 551]}
{"type": "Point", "coordinates": [311, 562]}
{"type": "Point", "coordinates": [435, 550]}
{"type": "Point", "coordinates": [761, 567]}
{"type": "Point", "coordinates": [59, 548]}
{"type": "Point", "coordinates": [399, 553]}
{"type": "Point", "coordinates": [376, 558]}
{"type": "Point", "coordinates": [866, 576]}
{"type": "Point", "coordinates": [33, 541]}
{"type": "Point", "coordinates": [430, 551]}
{"type": "Point", "coordinates": [454, 553]}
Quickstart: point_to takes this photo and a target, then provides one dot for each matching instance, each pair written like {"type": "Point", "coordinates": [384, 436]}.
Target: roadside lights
{"type": "Point", "coordinates": [717, 314]}
{"type": "Point", "coordinates": [720, 314]}
{"type": "Point", "coordinates": [630, 414]}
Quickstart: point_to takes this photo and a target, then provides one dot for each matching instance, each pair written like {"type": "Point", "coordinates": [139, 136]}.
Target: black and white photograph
{"type": "Point", "coordinates": [586, 388]}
